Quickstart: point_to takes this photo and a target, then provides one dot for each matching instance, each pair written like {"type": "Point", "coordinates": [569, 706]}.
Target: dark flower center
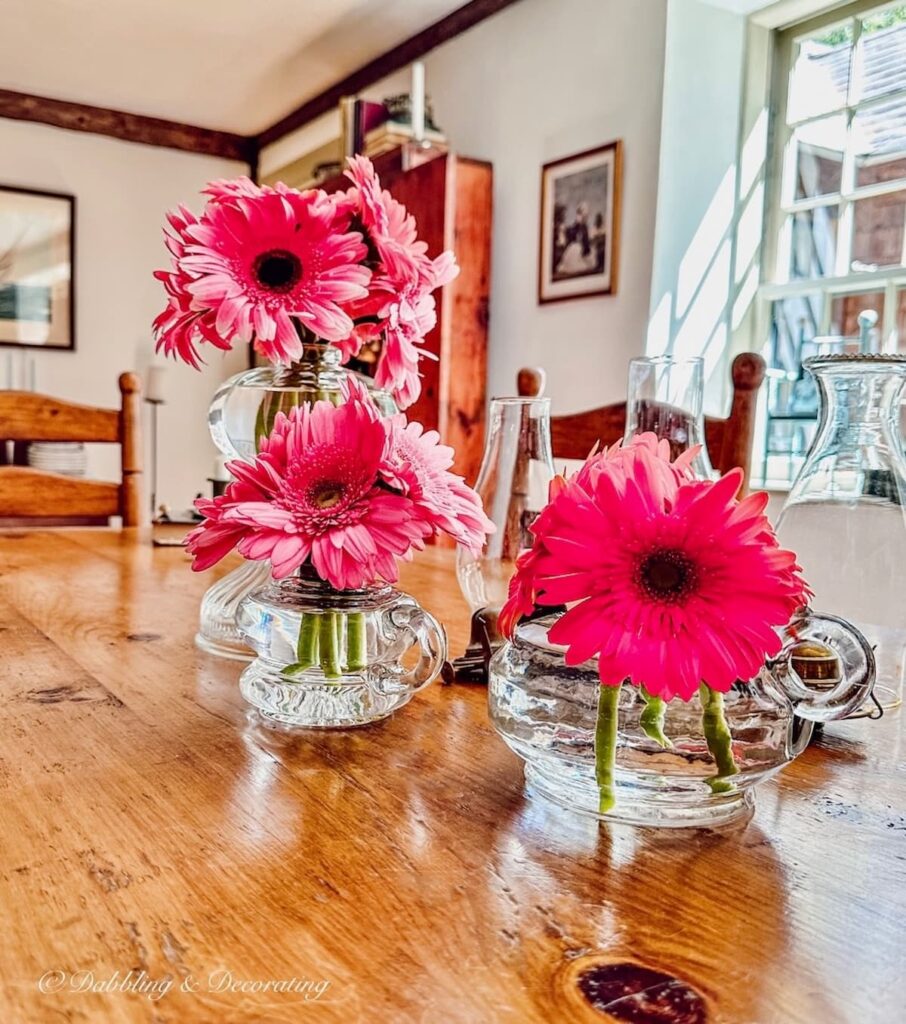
{"type": "Point", "coordinates": [667, 575]}
{"type": "Point", "coordinates": [277, 270]}
{"type": "Point", "coordinates": [327, 495]}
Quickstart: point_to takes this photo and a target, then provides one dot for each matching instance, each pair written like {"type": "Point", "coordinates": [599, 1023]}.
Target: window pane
{"type": "Point", "coordinates": [845, 310]}
{"type": "Point", "coordinates": [813, 250]}
{"type": "Point", "coordinates": [901, 321]}
{"type": "Point", "coordinates": [795, 322]}
{"type": "Point", "coordinates": [881, 67]}
{"type": "Point", "coordinates": [879, 141]}
{"type": "Point", "coordinates": [819, 156]}
{"type": "Point", "coordinates": [878, 231]}
{"type": "Point", "coordinates": [819, 80]}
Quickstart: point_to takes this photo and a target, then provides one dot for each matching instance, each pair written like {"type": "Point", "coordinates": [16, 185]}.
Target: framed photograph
{"type": "Point", "coordinates": [36, 269]}
{"type": "Point", "coordinates": [580, 224]}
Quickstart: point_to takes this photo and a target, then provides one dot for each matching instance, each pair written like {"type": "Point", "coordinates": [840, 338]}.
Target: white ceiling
{"type": "Point", "coordinates": [741, 6]}
{"type": "Point", "coordinates": [236, 65]}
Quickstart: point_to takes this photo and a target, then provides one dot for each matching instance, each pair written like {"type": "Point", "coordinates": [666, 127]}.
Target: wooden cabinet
{"type": "Point", "coordinates": [450, 198]}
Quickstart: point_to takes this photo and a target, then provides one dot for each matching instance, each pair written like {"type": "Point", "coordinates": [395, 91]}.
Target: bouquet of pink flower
{"type": "Point", "coordinates": [343, 493]}
{"type": "Point", "coordinates": [672, 583]}
{"type": "Point", "coordinates": [273, 266]}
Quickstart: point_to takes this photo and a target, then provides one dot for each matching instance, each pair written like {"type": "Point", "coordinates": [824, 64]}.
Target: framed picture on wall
{"type": "Point", "coordinates": [580, 224]}
{"type": "Point", "coordinates": [36, 269]}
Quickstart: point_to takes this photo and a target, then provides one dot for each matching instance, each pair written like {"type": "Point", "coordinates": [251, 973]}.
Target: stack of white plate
{"type": "Point", "coordinates": [66, 457]}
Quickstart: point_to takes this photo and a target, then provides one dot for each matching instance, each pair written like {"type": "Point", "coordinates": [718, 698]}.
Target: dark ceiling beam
{"type": "Point", "coordinates": [416, 46]}
{"type": "Point", "coordinates": [118, 124]}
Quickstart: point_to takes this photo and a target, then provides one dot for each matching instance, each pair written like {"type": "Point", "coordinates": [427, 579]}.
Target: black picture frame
{"type": "Point", "coordinates": [63, 304]}
{"type": "Point", "coordinates": [597, 267]}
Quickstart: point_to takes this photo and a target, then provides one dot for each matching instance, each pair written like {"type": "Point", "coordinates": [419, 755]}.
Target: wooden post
{"type": "Point", "coordinates": [132, 506]}
{"type": "Point", "coordinates": [748, 373]}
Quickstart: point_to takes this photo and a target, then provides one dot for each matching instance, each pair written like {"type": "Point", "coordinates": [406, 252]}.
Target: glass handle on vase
{"type": "Point", "coordinates": [410, 625]}
{"type": "Point", "coordinates": [826, 667]}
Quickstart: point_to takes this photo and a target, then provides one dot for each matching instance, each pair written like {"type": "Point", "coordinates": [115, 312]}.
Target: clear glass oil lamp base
{"type": "Point", "coordinates": [546, 712]}
{"type": "Point", "coordinates": [552, 730]}
{"type": "Point", "coordinates": [218, 632]}
{"type": "Point", "coordinates": [573, 786]}
{"type": "Point", "coordinates": [331, 659]}
{"type": "Point", "coordinates": [316, 702]}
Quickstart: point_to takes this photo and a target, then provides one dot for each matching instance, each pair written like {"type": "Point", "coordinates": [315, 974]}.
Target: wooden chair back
{"type": "Point", "coordinates": [32, 497]}
{"type": "Point", "coordinates": [729, 441]}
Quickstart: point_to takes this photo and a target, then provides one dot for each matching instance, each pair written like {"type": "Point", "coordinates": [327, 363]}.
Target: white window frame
{"type": "Point", "coordinates": [782, 179]}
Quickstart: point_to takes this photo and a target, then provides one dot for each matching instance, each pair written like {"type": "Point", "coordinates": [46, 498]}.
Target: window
{"type": "Point", "coordinates": [840, 166]}
{"type": "Point", "coordinates": [836, 243]}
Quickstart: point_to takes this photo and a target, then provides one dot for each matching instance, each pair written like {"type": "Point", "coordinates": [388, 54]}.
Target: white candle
{"type": "Point", "coordinates": [155, 386]}
{"type": "Point", "coordinates": [32, 375]}
{"type": "Point", "coordinates": [220, 470]}
{"type": "Point", "coordinates": [417, 101]}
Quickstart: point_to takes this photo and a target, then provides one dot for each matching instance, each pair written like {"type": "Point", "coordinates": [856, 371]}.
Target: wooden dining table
{"type": "Point", "coordinates": [166, 858]}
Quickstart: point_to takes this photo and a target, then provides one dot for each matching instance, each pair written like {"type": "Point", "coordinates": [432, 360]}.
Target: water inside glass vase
{"type": "Point", "coordinates": [246, 405]}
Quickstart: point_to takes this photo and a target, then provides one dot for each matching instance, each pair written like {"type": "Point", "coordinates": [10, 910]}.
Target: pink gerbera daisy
{"type": "Point", "coordinates": [235, 188]}
{"type": "Point", "coordinates": [406, 318]}
{"type": "Point", "coordinates": [388, 223]}
{"type": "Point", "coordinates": [181, 323]}
{"type": "Point", "coordinates": [400, 307]}
{"type": "Point", "coordinates": [314, 492]}
{"type": "Point", "coordinates": [420, 465]}
{"type": "Point", "coordinates": [255, 263]}
{"type": "Point", "coordinates": [393, 231]}
{"type": "Point", "coordinates": [671, 581]}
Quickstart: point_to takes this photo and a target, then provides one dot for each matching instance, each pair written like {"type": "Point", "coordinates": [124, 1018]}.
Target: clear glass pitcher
{"type": "Point", "coordinates": [845, 516]}
{"type": "Point", "coordinates": [513, 483]}
{"type": "Point", "coordinates": [335, 658]}
{"type": "Point", "coordinates": [665, 397]}
{"type": "Point", "coordinates": [546, 712]}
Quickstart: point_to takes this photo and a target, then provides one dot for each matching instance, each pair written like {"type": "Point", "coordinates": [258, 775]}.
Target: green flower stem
{"type": "Point", "coordinates": [273, 403]}
{"type": "Point", "coordinates": [717, 735]}
{"type": "Point", "coordinates": [261, 423]}
{"type": "Point", "coordinates": [652, 718]}
{"type": "Point", "coordinates": [606, 728]}
{"type": "Point", "coordinates": [356, 642]}
{"type": "Point", "coordinates": [330, 646]}
{"type": "Point", "coordinates": [307, 649]}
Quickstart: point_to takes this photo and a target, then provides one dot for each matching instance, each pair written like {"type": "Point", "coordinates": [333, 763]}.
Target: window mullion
{"type": "Point", "coordinates": [826, 304]}
{"type": "Point", "coordinates": [856, 66]}
{"type": "Point", "coordinates": [889, 318]}
{"type": "Point", "coordinates": [845, 231]}
{"type": "Point", "coordinates": [845, 223]}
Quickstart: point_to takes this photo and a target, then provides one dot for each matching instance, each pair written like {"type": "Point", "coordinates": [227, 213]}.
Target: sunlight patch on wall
{"type": "Point", "coordinates": [754, 151]}
{"type": "Point", "coordinates": [749, 231]}
{"type": "Point", "coordinates": [745, 296]}
{"type": "Point", "coordinates": [712, 230]}
{"type": "Point", "coordinates": [709, 306]}
{"type": "Point", "coordinates": [658, 342]}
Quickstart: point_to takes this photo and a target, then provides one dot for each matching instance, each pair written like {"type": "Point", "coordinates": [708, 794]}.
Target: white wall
{"type": "Point", "coordinates": [122, 190]}
{"type": "Point", "coordinates": [693, 277]}
{"type": "Point", "coordinates": [539, 81]}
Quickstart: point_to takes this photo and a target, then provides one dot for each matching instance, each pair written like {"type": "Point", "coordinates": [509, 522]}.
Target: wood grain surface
{"type": "Point", "coordinates": [150, 826]}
